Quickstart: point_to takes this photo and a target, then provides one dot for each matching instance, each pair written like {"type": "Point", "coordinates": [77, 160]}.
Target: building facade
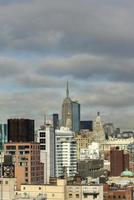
{"type": "Point", "coordinates": [83, 139]}
{"type": "Point", "coordinates": [7, 188]}
{"type": "Point", "coordinates": [119, 161]}
{"type": "Point", "coordinates": [86, 125]}
{"type": "Point", "coordinates": [66, 154]}
{"type": "Point", "coordinates": [75, 116]}
{"type": "Point", "coordinates": [3, 135]}
{"type": "Point", "coordinates": [61, 190]}
{"type": "Point", "coordinates": [46, 138]}
{"type": "Point", "coordinates": [98, 130]}
{"type": "Point", "coordinates": [26, 159]}
{"type": "Point", "coordinates": [90, 167]}
{"type": "Point", "coordinates": [20, 130]}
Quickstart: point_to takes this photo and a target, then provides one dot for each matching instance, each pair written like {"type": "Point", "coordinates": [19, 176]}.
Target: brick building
{"type": "Point", "coordinates": [119, 161]}
{"type": "Point", "coordinates": [26, 159]}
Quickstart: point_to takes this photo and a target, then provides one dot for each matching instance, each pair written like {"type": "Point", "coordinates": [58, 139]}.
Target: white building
{"type": "Point", "coordinates": [66, 153]}
{"type": "Point", "coordinates": [98, 130]}
{"type": "Point", "coordinates": [92, 152]}
{"type": "Point", "coordinates": [113, 142]}
{"type": "Point", "coordinates": [45, 136]}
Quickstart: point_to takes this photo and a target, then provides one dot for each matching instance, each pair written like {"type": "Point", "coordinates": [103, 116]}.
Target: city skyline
{"type": "Point", "coordinates": [89, 43]}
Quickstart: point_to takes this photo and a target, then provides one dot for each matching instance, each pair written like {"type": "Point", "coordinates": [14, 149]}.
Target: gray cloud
{"type": "Point", "coordinates": [90, 43]}
{"type": "Point", "coordinates": [68, 27]}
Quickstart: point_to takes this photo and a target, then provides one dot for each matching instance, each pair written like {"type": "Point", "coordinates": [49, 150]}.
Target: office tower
{"type": "Point", "coordinates": [66, 152]}
{"type": "Point", "coordinates": [75, 116]}
{"type": "Point", "coordinates": [70, 113]}
{"type": "Point", "coordinates": [86, 125]}
{"type": "Point", "coordinates": [108, 130]}
{"type": "Point", "coordinates": [3, 135]}
{"type": "Point", "coordinates": [98, 130]}
{"type": "Point", "coordinates": [20, 130]}
{"type": "Point", "coordinates": [45, 136]}
{"type": "Point", "coordinates": [26, 158]}
{"type": "Point", "coordinates": [119, 161]}
{"type": "Point", "coordinates": [55, 121]}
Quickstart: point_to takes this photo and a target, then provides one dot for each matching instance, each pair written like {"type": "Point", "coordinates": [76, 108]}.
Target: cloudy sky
{"type": "Point", "coordinates": [90, 43]}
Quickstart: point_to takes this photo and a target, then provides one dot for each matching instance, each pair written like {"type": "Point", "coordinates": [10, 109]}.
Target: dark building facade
{"type": "Point", "coordinates": [75, 116]}
{"type": "Point", "coordinates": [93, 168]}
{"type": "Point", "coordinates": [86, 125]}
{"type": "Point", "coordinates": [20, 130]}
{"type": "Point", "coordinates": [55, 121]}
{"type": "Point", "coordinates": [118, 161]}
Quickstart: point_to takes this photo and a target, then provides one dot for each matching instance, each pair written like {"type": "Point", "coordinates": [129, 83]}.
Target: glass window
{"type": "Point", "coordinates": [42, 147]}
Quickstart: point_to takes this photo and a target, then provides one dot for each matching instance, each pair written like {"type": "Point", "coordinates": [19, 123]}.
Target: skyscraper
{"type": "Point", "coordinates": [98, 130]}
{"type": "Point", "coordinates": [20, 130]}
{"type": "Point", "coordinates": [67, 110]}
{"type": "Point", "coordinates": [75, 116]}
{"type": "Point", "coordinates": [70, 113]}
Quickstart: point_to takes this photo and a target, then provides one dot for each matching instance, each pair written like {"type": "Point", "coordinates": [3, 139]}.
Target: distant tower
{"type": "Point", "coordinates": [70, 113]}
{"type": "Point", "coordinates": [98, 130]}
{"type": "Point", "coordinates": [67, 110]}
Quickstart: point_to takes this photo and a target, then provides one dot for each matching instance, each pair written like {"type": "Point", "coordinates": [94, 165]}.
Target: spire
{"type": "Point", "coordinates": [67, 90]}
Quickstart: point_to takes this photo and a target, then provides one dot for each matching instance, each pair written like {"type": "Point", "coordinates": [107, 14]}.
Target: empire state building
{"type": "Point", "coordinates": [70, 113]}
{"type": "Point", "coordinates": [67, 110]}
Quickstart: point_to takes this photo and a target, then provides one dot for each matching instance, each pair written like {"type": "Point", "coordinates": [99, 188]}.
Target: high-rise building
{"type": "Point", "coordinates": [86, 125]}
{"type": "Point", "coordinates": [67, 111]}
{"type": "Point", "coordinates": [45, 136]}
{"type": "Point", "coordinates": [108, 130]}
{"type": "Point", "coordinates": [55, 121]}
{"type": "Point", "coordinates": [70, 113]}
{"type": "Point", "coordinates": [66, 152]}
{"type": "Point", "coordinates": [98, 130]}
{"type": "Point", "coordinates": [75, 116]}
{"type": "Point", "coordinates": [20, 130]}
{"type": "Point", "coordinates": [26, 158]}
{"type": "Point", "coordinates": [119, 161]}
{"type": "Point", "coordinates": [3, 135]}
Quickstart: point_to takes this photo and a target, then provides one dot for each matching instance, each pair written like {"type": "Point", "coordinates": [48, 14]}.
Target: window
{"type": "Point", "coordinates": [42, 134]}
{"type": "Point", "coordinates": [42, 140]}
{"type": "Point", "coordinates": [21, 147]}
{"type": "Point", "coordinates": [77, 195]}
{"type": "Point", "coordinates": [11, 147]}
{"type": "Point", "coordinates": [6, 182]}
{"type": "Point", "coordinates": [42, 147]}
{"type": "Point", "coordinates": [70, 195]}
{"type": "Point", "coordinates": [26, 168]}
{"type": "Point", "coordinates": [39, 188]}
{"type": "Point", "coordinates": [26, 152]}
